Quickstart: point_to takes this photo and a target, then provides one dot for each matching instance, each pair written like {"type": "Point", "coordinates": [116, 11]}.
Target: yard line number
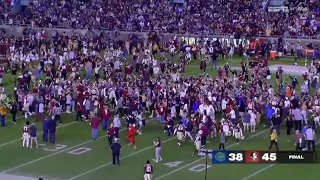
{"type": "Point", "coordinates": [57, 147]}
{"type": "Point", "coordinates": [197, 168]}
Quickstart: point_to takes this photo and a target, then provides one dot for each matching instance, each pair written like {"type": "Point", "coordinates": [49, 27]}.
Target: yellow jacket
{"type": "Point", "coordinates": [3, 110]}
{"type": "Point", "coordinates": [274, 136]}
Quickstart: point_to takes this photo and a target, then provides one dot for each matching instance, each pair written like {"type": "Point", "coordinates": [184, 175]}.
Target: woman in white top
{"type": "Point", "coordinates": [231, 52]}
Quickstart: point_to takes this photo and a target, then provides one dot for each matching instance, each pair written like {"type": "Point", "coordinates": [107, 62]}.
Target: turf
{"type": "Point", "coordinates": [95, 164]}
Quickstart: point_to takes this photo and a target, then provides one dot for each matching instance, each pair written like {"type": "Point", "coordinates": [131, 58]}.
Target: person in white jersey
{"type": "Point", "coordinates": [26, 135]}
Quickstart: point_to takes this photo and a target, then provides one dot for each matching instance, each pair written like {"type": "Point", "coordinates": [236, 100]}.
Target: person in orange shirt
{"type": "Point", "coordinates": [3, 113]}
{"type": "Point", "coordinates": [132, 135]}
{"type": "Point", "coordinates": [288, 92]}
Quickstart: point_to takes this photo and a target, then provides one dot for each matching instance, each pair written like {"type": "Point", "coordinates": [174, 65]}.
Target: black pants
{"type": "Point", "coordinates": [14, 117]}
{"type": "Point", "coordinates": [58, 117]}
{"type": "Point", "coordinates": [311, 143]}
{"type": "Point", "coordinates": [221, 146]}
{"type": "Point", "coordinates": [119, 111]}
{"type": "Point", "coordinates": [203, 140]}
{"type": "Point", "coordinates": [115, 159]}
{"type": "Point", "coordinates": [289, 127]}
{"type": "Point", "coordinates": [79, 116]}
{"type": "Point", "coordinates": [297, 124]}
{"type": "Point", "coordinates": [298, 146]}
{"type": "Point", "coordinates": [110, 139]}
{"type": "Point", "coordinates": [273, 142]}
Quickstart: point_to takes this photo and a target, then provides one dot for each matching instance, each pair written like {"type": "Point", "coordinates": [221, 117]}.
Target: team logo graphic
{"type": "Point", "coordinates": [302, 9]}
{"type": "Point", "coordinates": [220, 156]}
{"type": "Point", "coordinates": [254, 156]}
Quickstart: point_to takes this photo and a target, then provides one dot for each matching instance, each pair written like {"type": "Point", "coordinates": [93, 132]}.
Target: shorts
{"type": "Point", "coordinates": [253, 123]}
{"type": "Point", "coordinates": [147, 176]}
{"type": "Point", "coordinates": [237, 135]}
{"type": "Point", "coordinates": [180, 136]}
{"type": "Point", "coordinates": [246, 124]}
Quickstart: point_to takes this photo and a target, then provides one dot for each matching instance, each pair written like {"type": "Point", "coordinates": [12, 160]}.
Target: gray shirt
{"type": "Point", "coordinates": [297, 114]}
{"type": "Point", "coordinates": [120, 102]}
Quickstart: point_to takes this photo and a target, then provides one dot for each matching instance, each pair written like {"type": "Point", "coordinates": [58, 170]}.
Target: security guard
{"type": "Point", "coordinates": [116, 152]}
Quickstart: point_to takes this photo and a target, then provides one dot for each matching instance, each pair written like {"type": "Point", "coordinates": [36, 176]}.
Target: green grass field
{"type": "Point", "coordinates": [76, 156]}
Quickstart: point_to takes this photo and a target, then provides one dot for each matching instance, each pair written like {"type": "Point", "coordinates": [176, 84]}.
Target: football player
{"type": "Point", "coordinates": [148, 171]}
{"type": "Point", "coordinates": [26, 135]}
{"type": "Point", "coordinates": [180, 133]}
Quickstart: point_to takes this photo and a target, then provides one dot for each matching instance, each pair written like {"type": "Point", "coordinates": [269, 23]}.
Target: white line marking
{"type": "Point", "coordinates": [16, 173]}
{"type": "Point", "coordinates": [16, 140]}
{"type": "Point", "coordinates": [30, 175]}
{"type": "Point", "coordinates": [261, 170]}
{"type": "Point", "coordinates": [58, 152]}
{"type": "Point", "coordinates": [127, 156]}
{"type": "Point", "coordinates": [165, 175]}
{"type": "Point", "coordinates": [257, 172]}
{"type": "Point", "coordinates": [20, 117]}
{"type": "Point", "coordinates": [55, 178]}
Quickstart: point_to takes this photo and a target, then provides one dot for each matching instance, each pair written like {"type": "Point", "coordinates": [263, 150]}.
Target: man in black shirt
{"type": "Point", "coordinates": [115, 147]}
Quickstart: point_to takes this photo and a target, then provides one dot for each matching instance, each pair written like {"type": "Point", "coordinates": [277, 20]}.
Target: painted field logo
{"type": "Point", "coordinates": [302, 9]}
{"type": "Point", "coordinates": [220, 156]}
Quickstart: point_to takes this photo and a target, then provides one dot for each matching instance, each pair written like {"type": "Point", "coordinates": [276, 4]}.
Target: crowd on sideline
{"type": "Point", "coordinates": [234, 17]}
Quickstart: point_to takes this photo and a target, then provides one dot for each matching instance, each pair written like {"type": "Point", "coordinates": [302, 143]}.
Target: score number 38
{"type": "Point", "coordinates": [235, 157]}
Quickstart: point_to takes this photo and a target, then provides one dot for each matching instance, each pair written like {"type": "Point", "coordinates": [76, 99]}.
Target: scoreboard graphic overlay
{"type": "Point", "coordinates": [262, 157]}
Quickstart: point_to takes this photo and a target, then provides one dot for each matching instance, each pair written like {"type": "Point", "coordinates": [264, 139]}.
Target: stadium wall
{"type": "Point", "coordinates": [17, 31]}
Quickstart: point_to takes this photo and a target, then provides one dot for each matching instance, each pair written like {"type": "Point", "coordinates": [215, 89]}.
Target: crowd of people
{"type": "Point", "coordinates": [139, 78]}
{"type": "Point", "coordinates": [235, 17]}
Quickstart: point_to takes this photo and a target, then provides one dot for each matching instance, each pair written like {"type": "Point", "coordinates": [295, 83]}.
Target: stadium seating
{"type": "Point", "coordinates": [238, 17]}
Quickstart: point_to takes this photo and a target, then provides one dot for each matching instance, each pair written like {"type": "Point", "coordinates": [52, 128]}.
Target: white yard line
{"type": "Point", "coordinates": [124, 157]}
{"type": "Point", "coordinates": [259, 171]}
{"type": "Point", "coordinates": [16, 140]}
{"type": "Point", "coordinates": [262, 170]}
{"type": "Point", "coordinates": [176, 170]}
{"type": "Point", "coordinates": [58, 152]}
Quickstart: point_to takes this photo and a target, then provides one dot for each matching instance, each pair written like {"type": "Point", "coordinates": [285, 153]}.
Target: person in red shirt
{"type": "Point", "coordinates": [95, 127]}
{"type": "Point", "coordinates": [111, 134]}
{"type": "Point", "coordinates": [132, 135]}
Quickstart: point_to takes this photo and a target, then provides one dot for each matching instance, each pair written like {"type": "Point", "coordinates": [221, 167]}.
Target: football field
{"type": "Point", "coordinates": [76, 156]}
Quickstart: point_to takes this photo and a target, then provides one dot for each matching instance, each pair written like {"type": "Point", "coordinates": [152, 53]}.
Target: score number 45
{"type": "Point", "coordinates": [269, 157]}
